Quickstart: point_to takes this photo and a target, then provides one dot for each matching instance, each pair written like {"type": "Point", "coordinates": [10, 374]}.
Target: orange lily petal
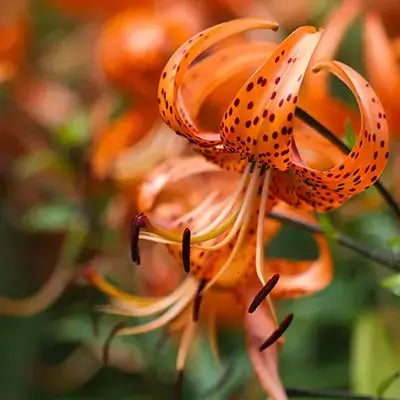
{"type": "Point", "coordinates": [171, 107]}
{"type": "Point", "coordinates": [382, 67]}
{"type": "Point", "coordinates": [125, 132]}
{"type": "Point", "coordinates": [360, 169]}
{"type": "Point", "coordinates": [299, 278]}
{"type": "Point", "coordinates": [260, 118]}
{"type": "Point", "coordinates": [258, 326]}
{"type": "Point", "coordinates": [334, 29]}
{"type": "Point", "coordinates": [309, 144]}
{"type": "Point", "coordinates": [208, 74]}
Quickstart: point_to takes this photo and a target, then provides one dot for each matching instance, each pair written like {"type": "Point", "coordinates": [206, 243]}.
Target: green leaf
{"type": "Point", "coordinates": [392, 283]}
{"type": "Point", "coordinates": [50, 217]}
{"type": "Point", "coordinates": [350, 135]}
{"type": "Point", "coordinates": [75, 132]}
{"type": "Point", "coordinates": [374, 358]}
{"type": "Point", "coordinates": [394, 243]}
{"type": "Point", "coordinates": [33, 163]}
{"type": "Point", "coordinates": [327, 226]}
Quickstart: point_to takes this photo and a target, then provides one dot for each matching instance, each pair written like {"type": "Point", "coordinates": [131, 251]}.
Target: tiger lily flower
{"type": "Point", "coordinates": [190, 191]}
{"type": "Point", "coordinates": [259, 136]}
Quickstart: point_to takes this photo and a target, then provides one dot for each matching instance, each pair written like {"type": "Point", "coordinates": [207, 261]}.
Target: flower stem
{"type": "Point", "coordinates": [382, 257]}
{"type": "Point", "coordinates": [338, 394]}
{"type": "Point", "coordinates": [326, 133]}
{"type": "Point", "coordinates": [297, 393]}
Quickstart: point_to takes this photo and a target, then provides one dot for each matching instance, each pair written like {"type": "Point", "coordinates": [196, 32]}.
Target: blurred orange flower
{"type": "Point", "coordinates": [135, 44]}
{"type": "Point", "coordinates": [13, 38]}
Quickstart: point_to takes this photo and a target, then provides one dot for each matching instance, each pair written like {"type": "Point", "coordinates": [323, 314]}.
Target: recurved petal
{"type": "Point", "coordinates": [300, 278]}
{"type": "Point", "coordinates": [361, 168]}
{"type": "Point", "coordinates": [171, 106]}
{"type": "Point", "coordinates": [206, 76]}
{"type": "Point", "coordinates": [260, 118]}
{"type": "Point", "coordinates": [258, 326]}
{"type": "Point", "coordinates": [382, 67]}
{"type": "Point", "coordinates": [334, 30]}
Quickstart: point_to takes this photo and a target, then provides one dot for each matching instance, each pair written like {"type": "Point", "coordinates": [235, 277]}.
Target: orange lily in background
{"type": "Point", "coordinates": [381, 60]}
{"type": "Point", "coordinates": [383, 68]}
{"type": "Point", "coordinates": [135, 44]}
{"type": "Point", "coordinates": [132, 49]}
{"type": "Point", "coordinates": [128, 149]}
{"type": "Point", "coordinates": [191, 192]}
{"type": "Point", "coordinates": [315, 94]}
{"type": "Point", "coordinates": [13, 38]}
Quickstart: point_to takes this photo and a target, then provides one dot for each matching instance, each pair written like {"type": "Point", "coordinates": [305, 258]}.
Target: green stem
{"type": "Point", "coordinates": [384, 258]}
{"type": "Point", "coordinates": [298, 393]}
{"type": "Point", "coordinates": [326, 133]}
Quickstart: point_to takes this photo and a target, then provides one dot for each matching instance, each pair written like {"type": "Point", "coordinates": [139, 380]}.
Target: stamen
{"type": "Point", "coordinates": [186, 250]}
{"type": "Point", "coordinates": [246, 211]}
{"type": "Point", "coordinates": [277, 333]}
{"type": "Point", "coordinates": [198, 210]}
{"type": "Point", "coordinates": [245, 207]}
{"type": "Point", "coordinates": [263, 293]}
{"type": "Point", "coordinates": [159, 322]}
{"type": "Point", "coordinates": [123, 306]}
{"type": "Point", "coordinates": [137, 223]}
{"type": "Point", "coordinates": [106, 348]}
{"type": "Point", "coordinates": [98, 281]}
{"type": "Point", "coordinates": [183, 351]}
{"type": "Point", "coordinates": [178, 385]}
{"type": "Point", "coordinates": [226, 218]}
{"type": "Point", "coordinates": [231, 201]}
{"type": "Point", "coordinates": [197, 300]}
{"type": "Point", "coordinates": [260, 228]}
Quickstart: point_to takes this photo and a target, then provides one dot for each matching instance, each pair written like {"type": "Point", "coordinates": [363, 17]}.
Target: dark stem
{"type": "Point", "coordinates": [338, 394]}
{"type": "Point", "coordinates": [326, 133]}
{"type": "Point", "coordinates": [384, 258]}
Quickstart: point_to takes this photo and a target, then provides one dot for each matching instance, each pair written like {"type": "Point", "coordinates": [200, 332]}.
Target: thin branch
{"type": "Point", "coordinates": [338, 394]}
{"type": "Point", "coordinates": [326, 133]}
{"type": "Point", "coordinates": [382, 257]}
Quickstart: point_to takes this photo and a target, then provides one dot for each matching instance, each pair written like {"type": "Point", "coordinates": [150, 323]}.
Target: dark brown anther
{"type": "Point", "coordinates": [178, 385]}
{"type": "Point", "coordinates": [197, 300]}
{"type": "Point", "coordinates": [277, 333]}
{"type": "Point", "coordinates": [106, 348]}
{"type": "Point", "coordinates": [138, 222]}
{"type": "Point", "coordinates": [186, 250]}
{"type": "Point", "coordinates": [263, 293]}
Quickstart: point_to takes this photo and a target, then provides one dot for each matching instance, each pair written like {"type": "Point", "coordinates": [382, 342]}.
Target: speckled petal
{"type": "Point", "coordinates": [361, 168]}
{"type": "Point", "coordinates": [171, 106]}
{"type": "Point", "coordinates": [259, 121]}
